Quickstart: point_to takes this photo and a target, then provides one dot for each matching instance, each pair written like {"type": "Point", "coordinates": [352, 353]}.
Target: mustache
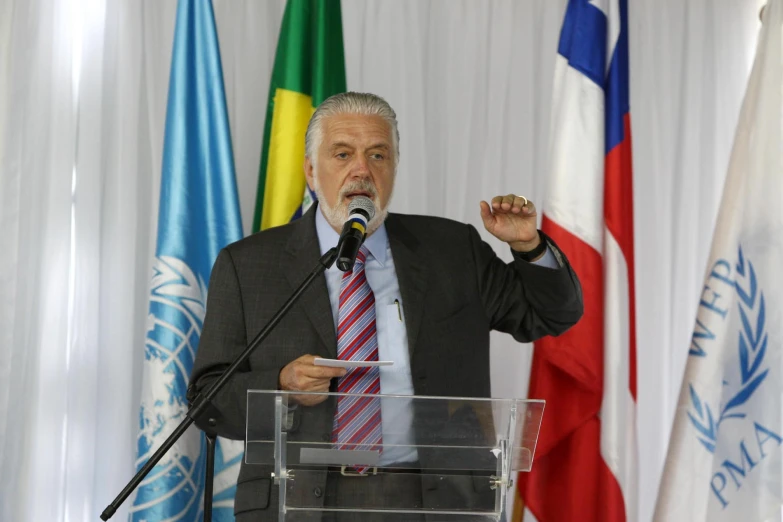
{"type": "Point", "coordinates": [364, 185]}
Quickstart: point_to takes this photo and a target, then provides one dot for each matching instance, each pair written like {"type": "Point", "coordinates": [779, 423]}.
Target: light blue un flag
{"type": "Point", "coordinates": [199, 214]}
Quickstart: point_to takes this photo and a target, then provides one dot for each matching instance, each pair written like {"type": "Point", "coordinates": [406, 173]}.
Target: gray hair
{"type": "Point", "coordinates": [350, 103]}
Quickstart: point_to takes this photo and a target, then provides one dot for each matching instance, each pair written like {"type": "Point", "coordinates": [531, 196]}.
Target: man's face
{"type": "Point", "coordinates": [355, 158]}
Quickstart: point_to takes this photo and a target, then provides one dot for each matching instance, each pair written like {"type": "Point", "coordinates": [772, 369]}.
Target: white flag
{"type": "Point", "coordinates": [724, 460]}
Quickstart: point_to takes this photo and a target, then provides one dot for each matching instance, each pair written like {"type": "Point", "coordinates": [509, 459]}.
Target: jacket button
{"type": "Point", "coordinates": [317, 492]}
{"type": "Point", "coordinates": [326, 437]}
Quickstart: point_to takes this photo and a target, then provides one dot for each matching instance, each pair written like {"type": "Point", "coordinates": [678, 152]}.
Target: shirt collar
{"type": "Point", "coordinates": [376, 243]}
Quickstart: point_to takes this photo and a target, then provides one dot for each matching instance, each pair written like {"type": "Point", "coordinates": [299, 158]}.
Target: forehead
{"type": "Point", "coordinates": [357, 129]}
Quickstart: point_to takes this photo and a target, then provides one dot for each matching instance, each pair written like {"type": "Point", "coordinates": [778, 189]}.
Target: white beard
{"type": "Point", "coordinates": [337, 216]}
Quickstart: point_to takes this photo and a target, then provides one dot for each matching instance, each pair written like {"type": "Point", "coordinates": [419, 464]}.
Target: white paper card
{"type": "Point", "coordinates": [319, 361]}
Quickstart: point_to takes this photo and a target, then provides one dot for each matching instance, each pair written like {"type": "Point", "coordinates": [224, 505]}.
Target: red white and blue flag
{"type": "Point", "coordinates": [585, 466]}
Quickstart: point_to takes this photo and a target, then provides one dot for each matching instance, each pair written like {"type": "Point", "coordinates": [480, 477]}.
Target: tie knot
{"type": "Point", "coordinates": [363, 254]}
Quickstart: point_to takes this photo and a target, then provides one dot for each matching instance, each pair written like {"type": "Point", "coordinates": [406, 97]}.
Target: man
{"type": "Point", "coordinates": [430, 292]}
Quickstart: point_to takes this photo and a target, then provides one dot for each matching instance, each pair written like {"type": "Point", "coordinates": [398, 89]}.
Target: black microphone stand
{"type": "Point", "coordinates": [202, 402]}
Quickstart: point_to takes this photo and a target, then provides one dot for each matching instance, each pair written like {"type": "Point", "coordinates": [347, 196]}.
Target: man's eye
{"type": "Point", "coordinates": [377, 156]}
{"type": "Point", "coordinates": [342, 155]}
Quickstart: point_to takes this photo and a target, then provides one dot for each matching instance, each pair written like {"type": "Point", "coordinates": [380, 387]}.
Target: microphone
{"type": "Point", "coordinates": [360, 211]}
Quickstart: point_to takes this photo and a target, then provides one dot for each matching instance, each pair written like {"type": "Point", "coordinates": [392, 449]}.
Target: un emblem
{"type": "Point", "coordinates": [177, 309]}
{"type": "Point", "coordinates": [743, 377]}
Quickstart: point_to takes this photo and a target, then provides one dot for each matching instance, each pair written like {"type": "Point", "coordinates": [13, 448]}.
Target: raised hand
{"type": "Point", "coordinates": [512, 219]}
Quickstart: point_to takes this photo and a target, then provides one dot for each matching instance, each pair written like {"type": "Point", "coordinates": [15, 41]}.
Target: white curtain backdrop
{"type": "Point", "coordinates": [83, 88]}
{"type": "Point", "coordinates": [39, 132]}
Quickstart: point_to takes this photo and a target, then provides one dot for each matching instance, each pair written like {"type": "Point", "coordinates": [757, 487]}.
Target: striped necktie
{"type": "Point", "coordinates": [357, 425]}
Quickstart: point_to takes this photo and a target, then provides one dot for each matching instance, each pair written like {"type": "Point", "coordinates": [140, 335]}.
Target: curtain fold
{"type": "Point", "coordinates": [471, 83]}
{"type": "Point", "coordinates": [35, 202]}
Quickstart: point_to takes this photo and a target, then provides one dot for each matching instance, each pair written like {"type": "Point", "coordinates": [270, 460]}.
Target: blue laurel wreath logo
{"type": "Point", "coordinates": [752, 347]}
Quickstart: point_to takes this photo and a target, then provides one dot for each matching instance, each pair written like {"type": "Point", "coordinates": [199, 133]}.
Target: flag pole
{"type": "Point", "coordinates": [518, 514]}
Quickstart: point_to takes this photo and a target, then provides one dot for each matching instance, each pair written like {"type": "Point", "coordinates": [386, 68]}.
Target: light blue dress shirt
{"type": "Point", "coordinates": [396, 415]}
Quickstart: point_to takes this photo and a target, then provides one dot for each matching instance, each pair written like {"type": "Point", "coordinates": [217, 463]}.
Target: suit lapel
{"type": "Point", "coordinates": [411, 275]}
{"type": "Point", "coordinates": [303, 252]}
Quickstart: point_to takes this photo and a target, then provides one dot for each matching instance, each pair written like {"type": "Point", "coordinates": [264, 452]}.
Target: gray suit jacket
{"type": "Point", "coordinates": [454, 291]}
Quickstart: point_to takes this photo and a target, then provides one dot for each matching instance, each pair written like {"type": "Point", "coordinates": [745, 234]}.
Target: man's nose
{"type": "Point", "coordinates": [361, 167]}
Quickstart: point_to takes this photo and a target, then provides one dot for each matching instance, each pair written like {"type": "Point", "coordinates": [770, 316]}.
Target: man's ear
{"type": "Point", "coordinates": [308, 170]}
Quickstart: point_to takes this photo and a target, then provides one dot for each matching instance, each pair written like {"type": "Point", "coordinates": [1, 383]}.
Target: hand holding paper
{"type": "Point", "coordinates": [303, 375]}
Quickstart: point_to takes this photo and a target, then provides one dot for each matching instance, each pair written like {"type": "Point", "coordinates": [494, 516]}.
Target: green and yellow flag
{"type": "Point", "coordinates": [309, 67]}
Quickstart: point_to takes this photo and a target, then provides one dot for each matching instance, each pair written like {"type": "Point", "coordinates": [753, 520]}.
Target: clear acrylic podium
{"type": "Point", "coordinates": [463, 453]}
